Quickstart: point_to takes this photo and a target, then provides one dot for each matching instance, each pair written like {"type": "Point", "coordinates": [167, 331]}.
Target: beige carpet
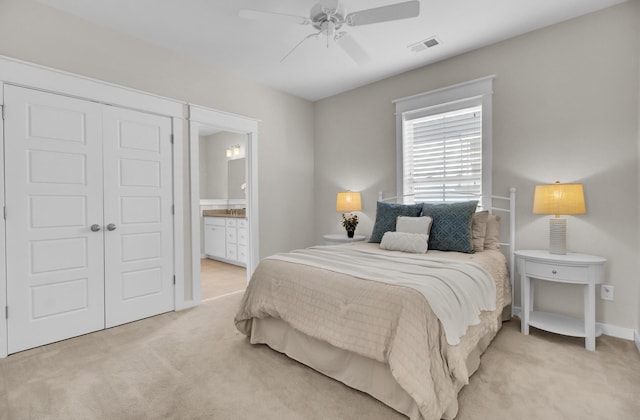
{"type": "Point", "coordinates": [193, 365]}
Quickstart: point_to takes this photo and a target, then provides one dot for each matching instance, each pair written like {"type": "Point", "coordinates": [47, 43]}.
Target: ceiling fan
{"type": "Point", "coordinates": [328, 17]}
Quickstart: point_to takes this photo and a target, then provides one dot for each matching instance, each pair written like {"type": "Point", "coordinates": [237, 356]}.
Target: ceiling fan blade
{"type": "Point", "coordinates": [298, 44]}
{"type": "Point", "coordinates": [353, 49]}
{"type": "Point", "coordinates": [396, 11]}
{"type": "Point", "coordinates": [272, 17]}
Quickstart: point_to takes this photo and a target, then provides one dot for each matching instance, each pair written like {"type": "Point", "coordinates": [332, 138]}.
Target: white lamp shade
{"type": "Point", "coordinates": [347, 201]}
{"type": "Point", "coordinates": [559, 199]}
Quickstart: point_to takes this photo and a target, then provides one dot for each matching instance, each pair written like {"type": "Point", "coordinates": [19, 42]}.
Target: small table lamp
{"type": "Point", "coordinates": [558, 199]}
{"type": "Point", "coordinates": [348, 201]}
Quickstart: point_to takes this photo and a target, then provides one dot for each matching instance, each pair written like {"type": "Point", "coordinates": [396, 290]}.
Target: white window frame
{"type": "Point", "coordinates": [462, 95]}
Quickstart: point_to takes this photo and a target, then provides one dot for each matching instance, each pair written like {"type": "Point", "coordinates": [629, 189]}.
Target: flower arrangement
{"type": "Point", "coordinates": [349, 222]}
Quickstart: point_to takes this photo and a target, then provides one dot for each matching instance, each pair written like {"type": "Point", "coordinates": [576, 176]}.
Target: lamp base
{"type": "Point", "coordinates": [558, 236]}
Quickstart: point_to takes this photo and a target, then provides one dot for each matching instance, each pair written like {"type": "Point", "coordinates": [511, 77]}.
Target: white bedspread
{"type": "Point", "coordinates": [456, 291]}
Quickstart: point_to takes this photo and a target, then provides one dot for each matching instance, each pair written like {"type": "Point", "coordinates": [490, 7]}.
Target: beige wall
{"type": "Point", "coordinates": [565, 108]}
{"type": "Point", "coordinates": [32, 32]}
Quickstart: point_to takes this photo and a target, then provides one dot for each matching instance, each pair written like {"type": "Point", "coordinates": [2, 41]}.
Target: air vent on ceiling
{"type": "Point", "coordinates": [424, 44]}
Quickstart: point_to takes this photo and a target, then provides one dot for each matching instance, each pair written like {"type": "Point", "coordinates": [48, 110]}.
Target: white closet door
{"type": "Point", "coordinates": [138, 199]}
{"type": "Point", "coordinates": [55, 265]}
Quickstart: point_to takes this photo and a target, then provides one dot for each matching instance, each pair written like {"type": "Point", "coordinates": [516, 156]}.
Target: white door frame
{"type": "Point", "coordinates": [34, 76]}
{"type": "Point", "coordinates": [3, 236]}
{"type": "Point", "coordinates": [200, 117]}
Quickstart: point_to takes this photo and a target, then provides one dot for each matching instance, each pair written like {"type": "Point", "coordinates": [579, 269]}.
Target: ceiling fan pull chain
{"type": "Point", "coordinates": [316, 35]}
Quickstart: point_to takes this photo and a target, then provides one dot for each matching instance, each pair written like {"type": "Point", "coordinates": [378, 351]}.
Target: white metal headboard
{"type": "Point", "coordinates": [506, 205]}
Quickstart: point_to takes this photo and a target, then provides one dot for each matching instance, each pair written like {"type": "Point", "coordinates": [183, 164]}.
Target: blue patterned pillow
{"type": "Point", "coordinates": [451, 228]}
{"type": "Point", "coordinates": [386, 215]}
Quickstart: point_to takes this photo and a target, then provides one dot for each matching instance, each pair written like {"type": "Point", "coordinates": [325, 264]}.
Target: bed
{"type": "Point", "coordinates": [408, 328]}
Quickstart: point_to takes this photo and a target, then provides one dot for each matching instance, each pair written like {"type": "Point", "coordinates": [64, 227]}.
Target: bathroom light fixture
{"type": "Point", "coordinates": [233, 151]}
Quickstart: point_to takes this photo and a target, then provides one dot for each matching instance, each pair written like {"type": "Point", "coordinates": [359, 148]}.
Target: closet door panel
{"type": "Point", "coordinates": [138, 184]}
{"type": "Point", "coordinates": [55, 263]}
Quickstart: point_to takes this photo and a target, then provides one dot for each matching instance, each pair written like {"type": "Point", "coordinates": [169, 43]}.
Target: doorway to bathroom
{"type": "Point", "coordinates": [224, 202]}
{"type": "Point", "coordinates": [223, 205]}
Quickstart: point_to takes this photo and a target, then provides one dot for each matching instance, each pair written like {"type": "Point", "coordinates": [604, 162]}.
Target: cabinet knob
{"type": "Point", "coordinates": [95, 228]}
{"type": "Point", "coordinates": [554, 272]}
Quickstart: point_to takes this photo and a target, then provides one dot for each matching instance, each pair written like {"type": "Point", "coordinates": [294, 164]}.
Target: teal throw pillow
{"type": "Point", "coordinates": [451, 228]}
{"type": "Point", "coordinates": [386, 215]}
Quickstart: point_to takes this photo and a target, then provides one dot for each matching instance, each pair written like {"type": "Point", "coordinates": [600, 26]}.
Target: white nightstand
{"type": "Point", "coordinates": [341, 238]}
{"type": "Point", "coordinates": [581, 269]}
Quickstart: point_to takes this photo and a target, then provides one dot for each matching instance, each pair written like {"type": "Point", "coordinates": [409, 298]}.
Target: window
{"type": "Point", "coordinates": [444, 144]}
{"type": "Point", "coordinates": [443, 155]}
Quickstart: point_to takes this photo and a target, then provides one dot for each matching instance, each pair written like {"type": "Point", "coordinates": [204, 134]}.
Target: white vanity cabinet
{"type": "Point", "coordinates": [232, 239]}
{"type": "Point", "coordinates": [225, 238]}
{"type": "Point", "coordinates": [215, 237]}
{"type": "Point", "coordinates": [242, 241]}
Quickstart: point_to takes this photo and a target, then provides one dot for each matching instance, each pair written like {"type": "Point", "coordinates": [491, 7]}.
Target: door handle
{"type": "Point", "coordinates": [95, 228]}
{"type": "Point", "coordinates": [111, 227]}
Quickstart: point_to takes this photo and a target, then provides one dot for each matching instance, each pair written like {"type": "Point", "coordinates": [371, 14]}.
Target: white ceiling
{"type": "Point", "coordinates": [211, 30]}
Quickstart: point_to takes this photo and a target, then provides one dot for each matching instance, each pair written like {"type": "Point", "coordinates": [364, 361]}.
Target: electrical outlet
{"type": "Point", "coordinates": [606, 292]}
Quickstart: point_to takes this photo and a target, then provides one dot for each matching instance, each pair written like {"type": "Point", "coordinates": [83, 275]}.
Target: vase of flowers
{"type": "Point", "coordinates": [349, 222]}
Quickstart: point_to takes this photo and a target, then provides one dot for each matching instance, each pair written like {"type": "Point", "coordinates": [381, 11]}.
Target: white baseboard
{"type": "Point", "coordinates": [637, 340]}
{"type": "Point", "coordinates": [607, 329]}
{"type": "Point", "coordinates": [615, 331]}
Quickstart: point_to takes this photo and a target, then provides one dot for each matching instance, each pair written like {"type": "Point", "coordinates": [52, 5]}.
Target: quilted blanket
{"type": "Point", "coordinates": [353, 308]}
{"type": "Point", "coordinates": [456, 291]}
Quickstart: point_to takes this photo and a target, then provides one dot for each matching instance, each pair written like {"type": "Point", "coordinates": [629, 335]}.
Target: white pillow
{"type": "Point", "coordinates": [415, 243]}
{"type": "Point", "coordinates": [408, 224]}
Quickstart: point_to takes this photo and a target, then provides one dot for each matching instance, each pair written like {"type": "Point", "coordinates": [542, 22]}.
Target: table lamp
{"type": "Point", "coordinates": [558, 199]}
{"type": "Point", "coordinates": [346, 202]}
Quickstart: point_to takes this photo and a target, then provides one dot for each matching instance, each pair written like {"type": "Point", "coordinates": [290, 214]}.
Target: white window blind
{"type": "Point", "coordinates": [442, 155]}
{"type": "Point", "coordinates": [443, 144]}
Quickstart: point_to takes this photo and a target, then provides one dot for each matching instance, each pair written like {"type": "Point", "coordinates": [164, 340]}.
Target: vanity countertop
{"type": "Point", "coordinates": [238, 214]}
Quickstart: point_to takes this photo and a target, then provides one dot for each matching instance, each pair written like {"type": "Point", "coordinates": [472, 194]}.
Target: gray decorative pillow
{"type": "Point", "coordinates": [420, 225]}
{"type": "Point", "coordinates": [451, 229]}
{"type": "Point", "coordinates": [415, 243]}
{"type": "Point", "coordinates": [386, 215]}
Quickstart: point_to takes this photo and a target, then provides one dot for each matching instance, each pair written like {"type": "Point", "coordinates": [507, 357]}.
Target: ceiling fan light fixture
{"type": "Point", "coordinates": [328, 29]}
{"type": "Point", "coordinates": [321, 12]}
